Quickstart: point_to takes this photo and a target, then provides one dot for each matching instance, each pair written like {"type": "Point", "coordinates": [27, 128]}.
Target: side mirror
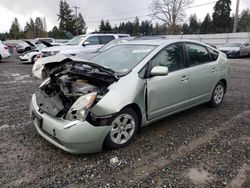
{"type": "Point", "coordinates": [86, 43]}
{"type": "Point", "coordinates": [159, 71]}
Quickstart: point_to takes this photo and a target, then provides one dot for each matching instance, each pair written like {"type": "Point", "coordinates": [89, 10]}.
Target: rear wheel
{"type": "Point", "coordinates": [0, 58]}
{"type": "Point", "coordinates": [124, 127]}
{"type": "Point", "coordinates": [218, 94]}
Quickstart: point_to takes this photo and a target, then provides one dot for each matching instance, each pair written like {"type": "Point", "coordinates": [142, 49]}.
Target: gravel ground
{"type": "Point", "coordinates": [201, 147]}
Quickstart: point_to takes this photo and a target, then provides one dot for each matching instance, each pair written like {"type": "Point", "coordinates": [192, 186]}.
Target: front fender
{"type": "Point", "coordinates": [120, 95]}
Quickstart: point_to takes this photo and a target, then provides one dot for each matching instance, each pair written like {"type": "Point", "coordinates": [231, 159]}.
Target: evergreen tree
{"type": "Point", "coordinates": [244, 21]}
{"type": "Point", "coordinates": [81, 25]}
{"type": "Point", "coordinates": [29, 29]}
{"type": "Point", "coordinates": [185, 28]}
{"type": "Point", "coordinates": [102, 26]}
{"type": "Point", "coordinates": [38, 27]}
{"type": "Point", "coordinates": [193, 25]}
{"type": "Point", "coordinates": [146, 28]}
{"type": "Point", "coordinates": [206, 25]}
{"type": "Point", "coordinates": [108, 26]}
{"type": "Point", "coordinates": [136, 27]}
{"type": "Point", "coordinates": [221, 16]}
{"type": "Point", "coordinates": [66, 18]}
{"type": "Point", "coordinates": [15, 30]}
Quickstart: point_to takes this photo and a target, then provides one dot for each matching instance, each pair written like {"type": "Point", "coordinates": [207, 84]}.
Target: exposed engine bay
{"type": "Point", "coordinates": [72, 89]}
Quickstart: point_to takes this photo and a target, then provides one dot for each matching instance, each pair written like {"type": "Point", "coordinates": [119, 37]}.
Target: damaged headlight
{"type": "Point", "coordinates": [80, 109]}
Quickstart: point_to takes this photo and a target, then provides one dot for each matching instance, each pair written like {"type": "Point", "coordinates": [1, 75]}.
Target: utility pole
{"type": "Point", "coordinates": [76, 7]}
{"type": "Point", "coordinates": [236, 16]}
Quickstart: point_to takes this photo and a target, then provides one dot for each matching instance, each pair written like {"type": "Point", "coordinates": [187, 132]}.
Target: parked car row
{"type": "Point", "coordinates": [44, 47]}
{"type": "Point", "coordinates": [236, 49]}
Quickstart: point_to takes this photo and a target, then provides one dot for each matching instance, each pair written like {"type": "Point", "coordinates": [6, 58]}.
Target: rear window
{"type": "Point", "coordinates": [106, 39]}
{"type": "Point", "coordinates": [123, 36]}
{"type": "Point", "coordinates": [197, 54]}
{"type": "Point", "coordinates": [214, 54]}
{"type": "Point", "coordinates": [48, 40]}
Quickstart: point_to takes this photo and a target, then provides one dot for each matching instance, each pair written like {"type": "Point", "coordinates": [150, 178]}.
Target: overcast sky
{"type": "Point", "coordinates": [92, 10]}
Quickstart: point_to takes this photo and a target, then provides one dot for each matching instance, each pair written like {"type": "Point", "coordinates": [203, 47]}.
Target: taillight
{"type": "Point", "coordinates": [5, 47]}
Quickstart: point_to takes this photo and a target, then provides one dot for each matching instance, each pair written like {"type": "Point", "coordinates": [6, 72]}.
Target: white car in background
{"type": "Point", "coordinates": [4, 51]}
{"type": "Point", "coordinates": [32, 55]}
{"type": "Point", "coordinates": [81, 43]}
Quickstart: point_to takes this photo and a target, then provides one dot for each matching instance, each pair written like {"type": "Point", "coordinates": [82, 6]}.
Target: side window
{"type": "Point", "coordinates": [106, 39]}
{"type": "Point", "coordinates": [170, 56]}
{"type": "Point", "coordinates": [197, 54]}
{"type": "Point", "coordinates": [122, 36]}
{"type": "Point", "coordinates": [213, 53]}
{"type": "Point", "coordinates": [94, 40]}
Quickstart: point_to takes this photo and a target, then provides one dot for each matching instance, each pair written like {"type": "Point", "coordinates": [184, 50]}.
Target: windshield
{"type": "Point", "coordinates": [122, 58]}
{"type": "Point", "coordinates": [75, 41]}
{"type": "Point", "coordinates": [233, 45]}
{"type": "Point", "coordinates": [40, 47]}
{"type": "Point", "coordinates": [113, 43]}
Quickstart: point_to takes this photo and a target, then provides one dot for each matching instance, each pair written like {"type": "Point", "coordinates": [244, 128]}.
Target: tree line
{"type": "Point", "coordinates": [167, 18]}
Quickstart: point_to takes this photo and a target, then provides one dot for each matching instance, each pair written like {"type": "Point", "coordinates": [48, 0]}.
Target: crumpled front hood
{"type": "Point", "coordinates": [43, 65]}
{"type": "Point", "coordinates": [58, 48]}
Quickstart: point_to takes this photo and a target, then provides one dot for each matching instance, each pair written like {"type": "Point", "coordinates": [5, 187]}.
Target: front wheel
{"type": "Point", "coordinates": [237, 54]}
{"type": "Point", "coordinates": [124, 127]}
{"type": "Point", "coordinates": [33, 59]}
{"type": "Point", "coordinates": [218, 94]}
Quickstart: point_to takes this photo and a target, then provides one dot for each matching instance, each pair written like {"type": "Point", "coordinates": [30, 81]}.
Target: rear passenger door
{"type": "Point", "coordinates": [203, 69]}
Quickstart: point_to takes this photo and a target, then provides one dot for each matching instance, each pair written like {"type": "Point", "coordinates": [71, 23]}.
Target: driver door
{"type": "Point", "coordinates": [168, 94]}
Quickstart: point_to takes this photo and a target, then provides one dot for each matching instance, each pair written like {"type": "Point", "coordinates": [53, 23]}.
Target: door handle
{"type": "Point", "coordinates": [214, 69]}
{"type": "Point", "coordinates": [184, 78]}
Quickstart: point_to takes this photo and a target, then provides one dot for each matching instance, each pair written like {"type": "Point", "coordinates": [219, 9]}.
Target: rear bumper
{"type": "Point", "coordinates": [5, 54]}
{"type": "Point", "coordinates": [80, 138]}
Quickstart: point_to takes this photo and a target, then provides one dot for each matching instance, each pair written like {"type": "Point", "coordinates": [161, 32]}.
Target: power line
{"type": "Point", "coordinates": [123, 12]}
{"type": "Point", "coordinates": [202, 4]}
{"type": "Point", "coordinates": [138, 16]}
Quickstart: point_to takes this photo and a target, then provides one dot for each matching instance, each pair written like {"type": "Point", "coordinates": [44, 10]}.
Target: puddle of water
{"type": "Point", "coordinates": [198, 176]}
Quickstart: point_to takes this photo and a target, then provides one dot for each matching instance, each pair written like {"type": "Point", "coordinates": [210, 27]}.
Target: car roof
{"type": "Point", "coordinates": [158, 41]}
{"type": "Point", "coordinates": [101, 34]}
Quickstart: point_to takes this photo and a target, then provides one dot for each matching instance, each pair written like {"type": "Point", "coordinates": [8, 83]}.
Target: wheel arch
{"type": "Point", "coordinates": [225, 83]}
{"type": "Point", "coordinates": [137, 110]}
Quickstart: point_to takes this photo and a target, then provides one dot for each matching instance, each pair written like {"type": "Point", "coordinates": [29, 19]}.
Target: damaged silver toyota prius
{"type": "Point", "coordinates": [85, 105]}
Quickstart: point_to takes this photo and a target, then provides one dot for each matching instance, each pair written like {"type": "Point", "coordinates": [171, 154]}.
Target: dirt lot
{"type": "Point", "coordinates": [203, 147]}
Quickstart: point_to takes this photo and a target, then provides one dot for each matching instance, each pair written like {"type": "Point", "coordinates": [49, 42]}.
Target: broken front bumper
{"type": "Point", "coordinates": [82, 137]}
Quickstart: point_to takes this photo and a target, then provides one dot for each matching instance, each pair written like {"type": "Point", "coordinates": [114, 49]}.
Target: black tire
{"type": "Point", "coordinates": [33, 59]}
{"type": "Point", "coordinates": [237, 54]}
{"type": "Point", "coordinates": [109, 143]}
{"type": "Point", "coordinates": [217, 100]}
{"type": "Point", "coordinates": [0, 58]}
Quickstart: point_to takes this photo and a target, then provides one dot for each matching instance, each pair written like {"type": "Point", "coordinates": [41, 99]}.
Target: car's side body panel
{"type": "Point", "coordinates": [166, 94]}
